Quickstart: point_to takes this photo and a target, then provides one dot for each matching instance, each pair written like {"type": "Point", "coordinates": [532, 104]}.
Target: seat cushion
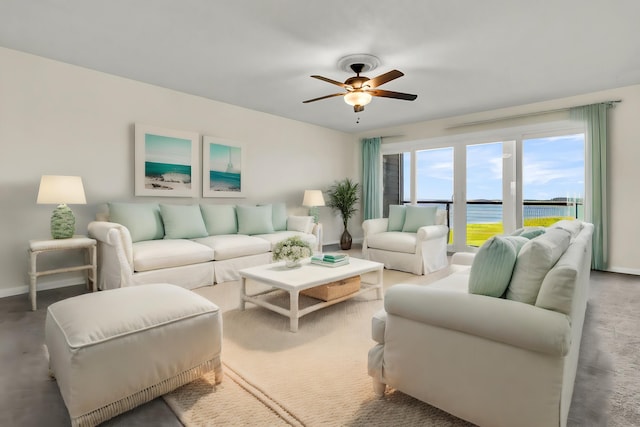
{"type": "Point", "coordinates": [156, 254]}
{"type": "Point", "coordinates": [394, 241]}
{"type": "Point", "coordinates": [278, 236]}
{"type": "Point", "coordinates": [227, 246]}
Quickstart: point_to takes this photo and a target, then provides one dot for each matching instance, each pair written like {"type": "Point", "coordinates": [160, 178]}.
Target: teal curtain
{"type": "Point", "coordinates": [594, 118]}
{"type": "Point", "coordinates": [371, 188]}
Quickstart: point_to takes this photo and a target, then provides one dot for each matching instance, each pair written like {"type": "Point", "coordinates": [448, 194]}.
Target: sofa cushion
{"type": "Point", "coordinates": [182, 221]}
{"type": "Point", "coordinates": [227, 246]}
{"type": "Point", "coordinates": [303, 224]}
{"type": "Point", "coordinates": [418, 216]}
{"type": "Point", "coordinates": [254, 219]}
{"type": "Point", "coordinates": [573, 226]}
{"type": "Point", "coordinates": [534, 261]}
{"type": "Point", "coordinates": [557, 289]}
{"type": "Point", "coordinates": [279, 216]}
{"type": "Point", "coordinates": [143, 220]}
{"type": "Point", "coordinates": [521, 230]}
{"type": "Point", "coordinates": [278, 236]}
{"type": "Point", "coordinates": [219, 219]}
{"type": "Point", "coordinates": [397, 214]}
{"type": "Point", "coordinates": [493, 265]}
{"type": "Point", "coordinates": [156, 254]}
{"type": "Point", "coordinates": [532, 234]}
{"type": "Point", "coordinates": [394, 241]}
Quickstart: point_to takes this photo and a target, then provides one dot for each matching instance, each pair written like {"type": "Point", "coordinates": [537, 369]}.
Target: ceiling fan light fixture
{"type": "Point", "coordinates": [357, 97]}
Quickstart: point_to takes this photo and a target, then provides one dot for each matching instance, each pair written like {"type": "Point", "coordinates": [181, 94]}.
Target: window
{"type": "Point", "coordinates": [490, 188]}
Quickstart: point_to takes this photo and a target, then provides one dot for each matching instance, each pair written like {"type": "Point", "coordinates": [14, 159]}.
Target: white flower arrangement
{"type": "Point", "coordinates": [291, 249]}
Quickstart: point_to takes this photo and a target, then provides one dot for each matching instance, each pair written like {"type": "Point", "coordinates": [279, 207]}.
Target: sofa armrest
{"type": "Point", "coordinates": [375, 225]}
{"type": "Point", "coordinates": [509, 322]}
{"type": "Point", "coordinates": [429, 232]}
{"type": "Point", "coordinates": [115, 250]}
{"type": "Point", "coordinates": [463, 258]}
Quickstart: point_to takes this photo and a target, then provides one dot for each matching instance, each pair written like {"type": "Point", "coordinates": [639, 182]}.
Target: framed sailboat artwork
{"type": "Point", "coordinates": [222, 168]}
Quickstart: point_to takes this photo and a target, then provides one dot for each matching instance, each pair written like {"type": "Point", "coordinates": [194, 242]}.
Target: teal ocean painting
{"type": "Point", "coordinates": [225, 168]}
{"type": "Point", "coordinates": [167, 163]}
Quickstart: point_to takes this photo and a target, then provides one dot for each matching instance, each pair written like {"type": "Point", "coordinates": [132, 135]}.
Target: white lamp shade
{"type": "Point", "coordinates": [313, 198]}
{"type": "Point", "coordinates": [57, 190]}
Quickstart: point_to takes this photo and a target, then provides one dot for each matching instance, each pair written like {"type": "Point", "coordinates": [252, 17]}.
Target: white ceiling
{"type": "Point", "coordinates": [458, 56]}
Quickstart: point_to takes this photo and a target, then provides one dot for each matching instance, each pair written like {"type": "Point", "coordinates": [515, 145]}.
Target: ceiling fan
{"type": "Point", "coordinates": [361, 89]}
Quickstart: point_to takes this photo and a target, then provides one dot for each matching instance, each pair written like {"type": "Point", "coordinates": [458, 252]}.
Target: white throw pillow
{"type": "Point", "coordinates": [304, 224]}
{"type": "Point", "coordinates": [535, 259]}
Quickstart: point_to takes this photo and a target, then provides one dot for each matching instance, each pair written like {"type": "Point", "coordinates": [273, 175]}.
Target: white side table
{"type": "Point", "coordinates": [37, 247]}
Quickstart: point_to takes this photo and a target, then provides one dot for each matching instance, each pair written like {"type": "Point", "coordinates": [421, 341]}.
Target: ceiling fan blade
{"type": "Point", "coordinates": [384, 78]}
{"type": "Point", "coordinates": [323, 97]}
{"type": "Point", "coordinates": [333, 82]}
{"type": "Point", "coordinates": [391, 94]}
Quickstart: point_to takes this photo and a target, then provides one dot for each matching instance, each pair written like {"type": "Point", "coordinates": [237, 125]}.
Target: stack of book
{"type": "Point", "coordinates": [330, 260]}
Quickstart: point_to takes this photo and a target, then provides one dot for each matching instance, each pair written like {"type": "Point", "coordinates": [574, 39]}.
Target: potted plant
{"type": "Point", "coordinates": [343, 196]}
{"type": "Point", "coordinates": [292, 250]}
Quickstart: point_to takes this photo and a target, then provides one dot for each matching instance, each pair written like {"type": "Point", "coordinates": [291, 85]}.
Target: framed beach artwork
{"type": "Point", "coordinates": [166, 162]}
{"type": "Point", "coordinates": [222, 168]}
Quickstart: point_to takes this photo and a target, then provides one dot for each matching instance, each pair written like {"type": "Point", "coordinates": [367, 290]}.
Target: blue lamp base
{"type": "Point", "coordinates": [63, 223]}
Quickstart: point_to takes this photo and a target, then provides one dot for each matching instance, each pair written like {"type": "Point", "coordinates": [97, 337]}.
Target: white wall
{"type": "Point", "coordinates": [623, 156]}
{"type": "Point", "coordinates": [61, 119]}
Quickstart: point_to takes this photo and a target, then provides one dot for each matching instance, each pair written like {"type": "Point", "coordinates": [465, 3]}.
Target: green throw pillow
{"type": "Point", "coordinates": [254, 219]}
{"type": "Point", "coordinates": [492, 267]}
{"type": "Point", "coordinates": [418, 216]}
{"type": "Point", "coordinates": [279, 215]}
{"type": "Point", "coordinates": [141, 219]}
{"type": "Point", "coordinates": [219, 219]}
{"type": "Point", "coordinates": [397, 215]}
{"type": "Point", "coordinates": [183, 222]}
{"type": "Point", "coordinates": [530, 234]}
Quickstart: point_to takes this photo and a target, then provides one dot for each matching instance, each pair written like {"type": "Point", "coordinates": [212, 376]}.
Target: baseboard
{"type": "Point", "coordinates": [51, 284]}
{"type": "Point", "coordinates": [624, 270]}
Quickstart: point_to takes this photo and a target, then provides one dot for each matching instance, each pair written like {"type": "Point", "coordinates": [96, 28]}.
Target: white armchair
{"type": "Point", "coordinates": [422, 252]}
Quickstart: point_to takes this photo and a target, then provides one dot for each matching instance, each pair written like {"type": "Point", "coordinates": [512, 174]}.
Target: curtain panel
{"type": "Point", "coordinates": [594, 118]}
{"type": "Point", "coordinates": [371, 187]}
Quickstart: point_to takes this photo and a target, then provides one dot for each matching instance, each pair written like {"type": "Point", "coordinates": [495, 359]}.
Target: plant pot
{"type": "Point", "coordinates": [345, 240]}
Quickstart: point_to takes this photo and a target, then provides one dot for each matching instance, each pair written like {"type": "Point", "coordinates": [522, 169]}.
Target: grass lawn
{"type": "Point", "coordinates": [477, 234]}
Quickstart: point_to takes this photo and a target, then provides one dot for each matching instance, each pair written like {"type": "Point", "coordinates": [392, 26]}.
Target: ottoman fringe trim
{"type": "Point", "coordinates": [111, 410]}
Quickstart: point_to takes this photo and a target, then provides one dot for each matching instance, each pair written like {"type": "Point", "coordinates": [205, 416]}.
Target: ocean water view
{"type": "Point", "coordinates": [224, 181]}
{"type": "Point", "coordinates": [478, 213]}
{"type": "Point", "coordinates": [168, 172]}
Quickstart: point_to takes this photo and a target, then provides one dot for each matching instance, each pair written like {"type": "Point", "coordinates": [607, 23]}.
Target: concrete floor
{"type": "Point", "coordinates": [28, 396]}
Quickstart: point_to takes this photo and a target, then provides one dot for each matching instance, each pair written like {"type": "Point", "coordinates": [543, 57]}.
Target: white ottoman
{"type": "Point", "coordinates": [113, 350]}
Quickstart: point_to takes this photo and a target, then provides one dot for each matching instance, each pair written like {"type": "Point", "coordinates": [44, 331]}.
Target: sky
{"type": "Point", "coordinates": [166, 149]}
{"type": "Point", "coordinates": [552, 167]}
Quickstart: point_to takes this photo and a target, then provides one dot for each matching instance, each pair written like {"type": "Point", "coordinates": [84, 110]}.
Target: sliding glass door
{"type": "Point", "coordinates": [490, 188]}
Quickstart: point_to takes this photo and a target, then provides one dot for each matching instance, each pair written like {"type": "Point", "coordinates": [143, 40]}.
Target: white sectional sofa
{"type": "Point", "coordinates": [496, 343]}
{"type": "Point", "coordinates": [190, 245]}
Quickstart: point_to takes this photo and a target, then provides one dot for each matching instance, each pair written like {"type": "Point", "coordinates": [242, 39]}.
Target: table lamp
{"type": "Point", "coordinates": [60, 190]}
{"type": "Point", "coordinates": [312, 199]}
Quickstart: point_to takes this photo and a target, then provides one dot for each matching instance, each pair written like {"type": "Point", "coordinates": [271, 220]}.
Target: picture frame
{"type": "Point", "coordinates": [222, 168]}
{"type": "Point", "coordinates": [166, 162]}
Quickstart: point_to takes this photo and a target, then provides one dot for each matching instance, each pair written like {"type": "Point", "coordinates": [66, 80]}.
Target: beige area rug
{"type": "Point", "coordinates": [315, 377]}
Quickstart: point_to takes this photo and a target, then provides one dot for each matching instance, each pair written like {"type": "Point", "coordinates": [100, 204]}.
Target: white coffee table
{"type": "Point", "coordinates": [294, 280]}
